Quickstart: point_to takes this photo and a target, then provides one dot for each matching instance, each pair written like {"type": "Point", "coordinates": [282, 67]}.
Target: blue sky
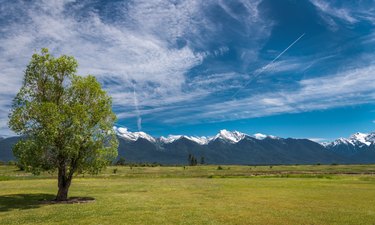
{"type": "Point", "coordinates": [286, 68]}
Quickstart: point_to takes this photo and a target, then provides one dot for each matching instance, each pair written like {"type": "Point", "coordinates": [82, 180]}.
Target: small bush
{"type": "Point", "coordinates": [219, 168]}
{"type": "Point", "coordinates": [114, 170]}
{"type": "Point", "coordinates": [20, 166]}
{"type": "Point", "coordinates": [121, 161]}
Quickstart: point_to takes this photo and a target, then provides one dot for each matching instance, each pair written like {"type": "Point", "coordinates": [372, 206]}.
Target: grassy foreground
{"type": "Point", "coordinates": [197, 195]}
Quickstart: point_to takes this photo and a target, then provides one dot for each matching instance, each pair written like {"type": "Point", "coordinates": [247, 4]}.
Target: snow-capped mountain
{"type": "Point", "coordinates": [232, 137]}
{"type": "Point", "coordinates": [199, 140]}
{"type": "Point", "coordinates": [226, 147]}
{"type": "Point", "coordinates": [224, 135]}
{"type": "Point", "coordinates": [132, 136]}
{"type": "Point", "coordinates": [233, 147]}
{"type": "Point", "coordinates": [358, 139]}
{"type": "Point", "coordinates": [356, 144]}
{"type": "Point", "coordinates": [171, 138]}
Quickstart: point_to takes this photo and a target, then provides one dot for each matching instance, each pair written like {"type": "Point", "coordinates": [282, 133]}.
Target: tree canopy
{"type": "Point", "coordinates": [66, 120]}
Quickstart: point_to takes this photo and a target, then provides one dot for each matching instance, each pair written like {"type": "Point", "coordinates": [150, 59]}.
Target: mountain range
{"type": "Point", "coordinates": [233, 147]}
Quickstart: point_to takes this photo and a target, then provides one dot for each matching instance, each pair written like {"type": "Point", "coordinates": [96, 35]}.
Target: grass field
{"type": "Point", "coordinates": [316, 194]}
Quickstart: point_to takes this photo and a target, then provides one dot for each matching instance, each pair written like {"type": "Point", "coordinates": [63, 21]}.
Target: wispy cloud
{"type": "Point", "coordinates": [102, 49]}
{"type": "Point", "coordinates": [139, 118]}
{"type": "Point", "coordinates": [319, 140]}
{"type": "Point", "coordinates": [350, 87]}
{"type": "Point", "coordinates": [186, 57]}
{"type": "Point", "coordinates": [349, 12]}
{"type": "Point", "coordinates": [149, 42]}
{"type": "Point", "coordinates": [341, 13]}
{"type": "Point", "coordinates": [267, 66]}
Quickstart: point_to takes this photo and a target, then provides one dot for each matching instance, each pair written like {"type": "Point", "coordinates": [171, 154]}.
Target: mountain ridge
{"type": "Point", "coordinates": [233, 147]}
{"type": "Point", "coordinates": [230, 136]}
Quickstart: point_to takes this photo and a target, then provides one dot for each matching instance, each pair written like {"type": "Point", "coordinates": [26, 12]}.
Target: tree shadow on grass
{"type": "Point", "coordinates": [23, 201]}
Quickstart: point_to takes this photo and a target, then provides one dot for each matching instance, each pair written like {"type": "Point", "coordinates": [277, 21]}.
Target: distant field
{"type": "Point", "coordinates": [316, 194]}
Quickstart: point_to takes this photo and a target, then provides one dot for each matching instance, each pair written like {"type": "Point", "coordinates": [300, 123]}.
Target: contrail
{"type": "Point", "coordinates": [287, 48]}
{"type": "Point", "coordinates": [139, 118]}
{"type": "Point", "coordinates": [266, 66]}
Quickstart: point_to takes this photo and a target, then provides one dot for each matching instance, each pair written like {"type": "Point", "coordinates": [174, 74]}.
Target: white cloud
{"type": "Point", "coordinates": [350, 87]}
{"type": "Point", "coordinates": [286, 65]}
{"type": "Point", "coordinates": [318, 140]}
{"type": "Point", "coordinates": [139, 48]}
{"type": "Point", "coordinates": [341, 13]}
{"type": "Point", "coordinates": [151, 45]}
{"type": "Point", "coordinates": [100, 48]}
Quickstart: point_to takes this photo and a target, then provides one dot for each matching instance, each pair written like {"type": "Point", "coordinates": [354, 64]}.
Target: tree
{"type": "Point", "coordinates": [192, 160]}
{"type": "Point", "coordinates": [121, 161]}
{"type": "Point", "coordinates": [190, 157]}
{"type": "Point", "coordinates": [67, 121]}
{"type": "Point", "coordinates": [202, 160]}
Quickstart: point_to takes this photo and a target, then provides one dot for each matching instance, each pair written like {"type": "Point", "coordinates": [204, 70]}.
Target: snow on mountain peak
{"type": "Point", "coordinates": [233, 137]}
{"type": "Point", "coordinates": [357, 139]}
{"type": "Point", "coordinates": [121, 130]}
{"type": "Point", "coordinates": [170, 138]}
{"type": "Point", "coordinates": [371, 137]}
{"type": "Point", "coordinates": [230, 136]}
{"type": "Point", "coordinates": [361, 138]}
{"type": "Point", "coordinates": [132, 136]}
{"type": "Point", "coordinates": [200, 140]}
{"type": "Point", "coordinates": [325, 144]}
{"type": "Point", "coordinates": [342, 141]}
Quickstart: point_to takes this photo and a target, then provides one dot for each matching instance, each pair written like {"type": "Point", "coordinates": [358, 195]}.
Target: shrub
{"type": "Point", "coordinates": [20, 166]}
{"type": "Point", "coordinates": [120, 161]}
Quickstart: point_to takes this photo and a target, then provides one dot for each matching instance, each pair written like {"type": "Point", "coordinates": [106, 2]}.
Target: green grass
{"type": "Point", "coordinates": [197, 195]}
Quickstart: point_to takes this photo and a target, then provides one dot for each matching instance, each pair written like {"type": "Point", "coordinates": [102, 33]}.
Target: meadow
{"type": "Point", "coordinates": [299, 194]}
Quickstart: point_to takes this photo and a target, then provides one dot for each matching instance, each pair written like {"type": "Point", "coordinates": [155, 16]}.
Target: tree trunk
{"type": "Point", "coordinates": [64, 182]}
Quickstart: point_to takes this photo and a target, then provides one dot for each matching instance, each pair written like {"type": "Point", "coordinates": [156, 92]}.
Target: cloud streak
{"type": "Point", "coordinates": [139, 118]}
